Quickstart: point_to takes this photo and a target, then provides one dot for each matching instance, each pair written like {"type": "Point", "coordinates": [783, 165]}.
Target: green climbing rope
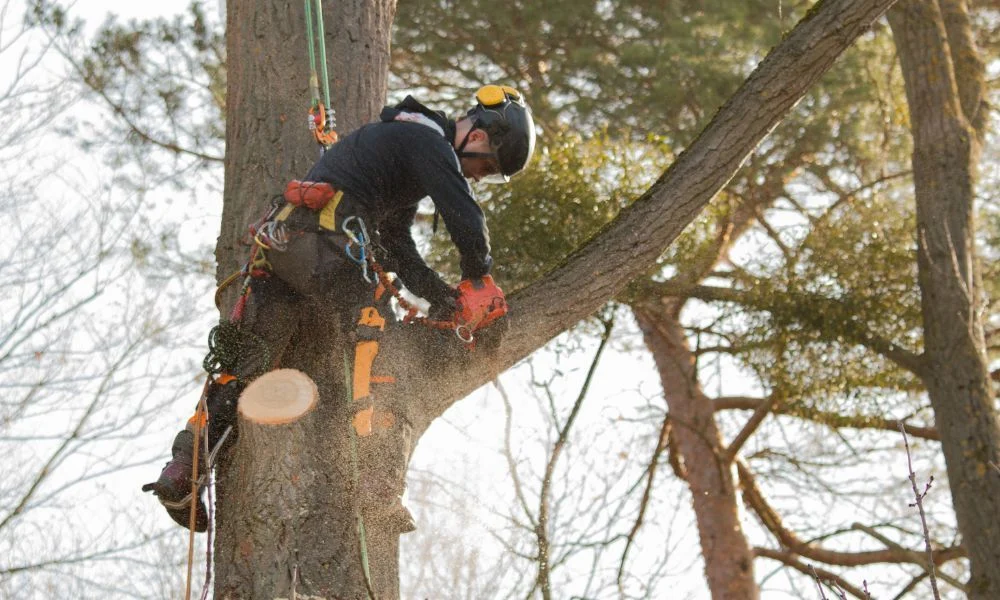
{"type": "Point", "coordinates": [323, 118]}
{"type": "Point", "coordinates": [228, 347]}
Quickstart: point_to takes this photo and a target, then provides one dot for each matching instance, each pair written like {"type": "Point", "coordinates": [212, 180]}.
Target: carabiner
{"type": "Point", "coordinates": [360, 240]}
{"type": "Point", "coordinates": [464, 333]}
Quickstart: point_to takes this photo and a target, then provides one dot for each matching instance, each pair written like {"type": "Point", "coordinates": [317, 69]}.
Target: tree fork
{"type": "Point", "coordinates": [267, 144]}
{"type": "Point", "coordinates": [629, 245]}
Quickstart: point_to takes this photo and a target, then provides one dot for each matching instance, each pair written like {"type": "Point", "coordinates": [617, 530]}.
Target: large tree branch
{"type": "Point", "coordinates": [631, 244]}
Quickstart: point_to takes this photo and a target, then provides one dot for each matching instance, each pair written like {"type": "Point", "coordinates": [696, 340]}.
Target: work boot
{"type": "Point", "coordinates": [173, 488]}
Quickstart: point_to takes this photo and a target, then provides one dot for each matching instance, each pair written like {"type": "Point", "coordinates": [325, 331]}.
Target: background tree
{"type": "Point", "coordinates": [945, 86]}
{"type": "Point", "coordinates": [824, 166]}
{"type": "Point", "coordinates": [88, 349]}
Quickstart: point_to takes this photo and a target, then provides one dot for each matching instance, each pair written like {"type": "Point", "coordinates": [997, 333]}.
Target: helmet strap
{"type": "Point", "coordinates": [465, 140]}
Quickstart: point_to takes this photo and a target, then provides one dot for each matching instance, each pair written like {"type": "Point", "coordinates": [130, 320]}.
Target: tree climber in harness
{"type": "Point", "coordinates": [332, 237]}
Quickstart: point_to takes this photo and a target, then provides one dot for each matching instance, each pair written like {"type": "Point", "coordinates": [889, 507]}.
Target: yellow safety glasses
{"type": "Point", "coordinates": [495, 95]}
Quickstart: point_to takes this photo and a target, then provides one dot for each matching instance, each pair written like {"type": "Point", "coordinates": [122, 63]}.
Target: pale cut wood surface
{"type": "Point", "coordinates": [278, 397]}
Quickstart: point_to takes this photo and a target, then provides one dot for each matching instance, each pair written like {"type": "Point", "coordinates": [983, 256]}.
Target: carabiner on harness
{"type": "Point", "coordinates": [361, 240]}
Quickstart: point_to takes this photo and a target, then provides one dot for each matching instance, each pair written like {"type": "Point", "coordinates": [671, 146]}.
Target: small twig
{"type": "Point", "coordinates": [920, 508]}
{"type": "Point", "coordinates": [830, 584]}
{"type": "Point", "coordinates": [995, 467]}
{"type": "Point", "coordinates": [819, 584]}
{"type": "Point", "coordinates": [910, 555]}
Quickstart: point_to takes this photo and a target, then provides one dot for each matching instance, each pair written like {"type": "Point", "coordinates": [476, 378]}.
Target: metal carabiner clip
{"type": "Point", "coordinates": [360, 240]}
{"type": "Point", "coordinates": [464, 333]}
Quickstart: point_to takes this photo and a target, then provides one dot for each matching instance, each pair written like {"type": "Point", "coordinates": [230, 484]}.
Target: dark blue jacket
{"type": "Point", "coordinates": [388, 167]}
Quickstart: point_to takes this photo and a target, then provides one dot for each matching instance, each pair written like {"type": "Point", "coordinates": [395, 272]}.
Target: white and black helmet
{"type": "Point", "coordinates": [500, 111]}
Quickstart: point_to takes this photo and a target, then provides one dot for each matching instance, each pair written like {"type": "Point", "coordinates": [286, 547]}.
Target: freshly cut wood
{"type": "Point", "coordinates": [278, 397]}
{"type": "Point", "coordinates": [268, 481]}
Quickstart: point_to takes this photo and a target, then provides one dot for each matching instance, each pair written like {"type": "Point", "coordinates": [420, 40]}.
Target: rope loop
{"type": "Point", "coordinates": [228, 344]}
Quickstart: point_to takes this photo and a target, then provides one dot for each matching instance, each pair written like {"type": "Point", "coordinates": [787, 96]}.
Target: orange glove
{"type": "Point", "coordinates": [480, 302]}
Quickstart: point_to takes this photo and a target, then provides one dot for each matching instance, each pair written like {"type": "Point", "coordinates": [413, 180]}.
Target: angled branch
{"type": "Point", "coordinates": [647, 493]}
{"type": "Point", "coordinates": [823, 417]}
{"type": "Point", "coordinates": [915, 557]}
{"type": "Point", "coordinates": [630, 244]}
{"type": "Point", "coordinates": [789, 558]}
{"type": "Point", "coordinates": [758, 416]}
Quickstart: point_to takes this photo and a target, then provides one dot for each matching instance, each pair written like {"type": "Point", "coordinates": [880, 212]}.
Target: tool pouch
{"type": "Point", "coordinates": [314, 195]}
{"type": "Point", "coordinates": [313, 253]}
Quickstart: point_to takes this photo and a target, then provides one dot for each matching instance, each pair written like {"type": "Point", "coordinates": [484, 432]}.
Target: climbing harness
{"type": "Point", "coordinates": [357, 249]}
{"type": "Point", "coordinates": [322, 117]}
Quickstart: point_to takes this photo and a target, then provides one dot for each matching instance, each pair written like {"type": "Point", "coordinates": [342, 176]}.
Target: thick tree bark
{"type": "Point", "coordinates": [728, 556]}
{"type": "Point", "coordinates": [944, 84]}
{"type": "Point", "coordinates": [269, 482]}
{"type": "Point", "coordinates": [267, 144]}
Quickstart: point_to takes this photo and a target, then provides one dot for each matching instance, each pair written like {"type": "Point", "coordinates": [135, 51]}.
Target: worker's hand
{"type": "Point", "coordinates": [480, 303]}
{"type": "Point", "coordinates": [443, 309]}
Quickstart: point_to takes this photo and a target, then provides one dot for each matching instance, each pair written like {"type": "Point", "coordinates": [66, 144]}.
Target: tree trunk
{"type": "Point", "coordinates": [269, 482]}
{"type": "Point", "coordinates": [943, 79]}
{"type": "Point", "coordinates": [728, 557]}
{"type": "Point", "coordinates": [268, 143]}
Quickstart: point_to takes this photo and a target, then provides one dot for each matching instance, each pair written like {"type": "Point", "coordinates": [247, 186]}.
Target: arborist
{"type": "Point", "coordinates": [333, 238]}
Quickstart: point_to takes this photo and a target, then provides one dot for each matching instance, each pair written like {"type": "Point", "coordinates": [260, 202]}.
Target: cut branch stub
{"type": "Point", "coordinates": [278, 397]}
{"type": "Point", "coordinates": [271, 479]}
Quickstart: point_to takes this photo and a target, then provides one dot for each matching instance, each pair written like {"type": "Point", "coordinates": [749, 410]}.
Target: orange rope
{"type": "Point", "coordinates": [194, 488]}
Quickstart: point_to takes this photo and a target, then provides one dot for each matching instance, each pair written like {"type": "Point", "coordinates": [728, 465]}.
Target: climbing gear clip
{"type": "Point", "coordinates": [361, 240]}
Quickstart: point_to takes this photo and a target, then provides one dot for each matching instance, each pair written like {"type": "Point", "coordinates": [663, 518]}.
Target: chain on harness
{"type": "Point", "coordinates": [366, 260]}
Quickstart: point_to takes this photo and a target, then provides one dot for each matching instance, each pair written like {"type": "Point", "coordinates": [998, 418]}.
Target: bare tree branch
{"type": "Point", "coordinates": [790, 559]}
{"type": "Point", "coordinates": [654, 461]}
{"type": "Point", "coordinates": [788, 539]}
{"type": "Point", "coordinates": [831, 419]}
